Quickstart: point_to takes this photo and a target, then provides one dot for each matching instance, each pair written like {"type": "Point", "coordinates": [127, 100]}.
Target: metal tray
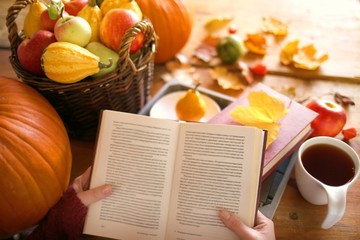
{"type": "Point", "coordinates": [174, 85]}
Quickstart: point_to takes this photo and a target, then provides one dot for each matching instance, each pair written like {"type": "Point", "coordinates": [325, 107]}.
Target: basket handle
{"type": "Point", "coordinates": [13, 11]}
{"type": "Point", "coordinates": [146, 27]}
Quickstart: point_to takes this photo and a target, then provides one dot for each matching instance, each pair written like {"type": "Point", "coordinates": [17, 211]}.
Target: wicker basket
{"type": "Point", "coordinates": [78, 104]}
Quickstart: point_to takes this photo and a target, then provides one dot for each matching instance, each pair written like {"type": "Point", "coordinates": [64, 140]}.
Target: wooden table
{"type": "Point", "coordinates": [334, 26]}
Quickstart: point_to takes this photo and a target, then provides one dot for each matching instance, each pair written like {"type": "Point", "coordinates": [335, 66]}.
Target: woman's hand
{"type": "Point", "coordinates": [86, 195]}
{"type": "Point", "coordinates": [263, 230]}
{"type": "Point", "coordinates": [66, 219]}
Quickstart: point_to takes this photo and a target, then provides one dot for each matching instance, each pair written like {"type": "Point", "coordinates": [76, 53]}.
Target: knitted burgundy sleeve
{"type": "Point", "coordinates": [64, 221]}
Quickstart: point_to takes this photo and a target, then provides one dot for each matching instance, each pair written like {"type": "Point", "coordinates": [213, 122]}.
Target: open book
{"type": "Point", "coordinates": [170, 178]}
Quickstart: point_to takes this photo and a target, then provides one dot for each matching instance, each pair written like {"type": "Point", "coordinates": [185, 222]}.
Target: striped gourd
{"type": "Point", "coordinates": [65, 62]}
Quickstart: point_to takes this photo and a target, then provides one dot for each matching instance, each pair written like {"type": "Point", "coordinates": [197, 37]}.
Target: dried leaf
{"type": "Point", "coordinates": [205, 52]}
{"type": "Point", "coordinates": [172, 66]}
{"type": "Point", "coordinates": [343, 100]}
{"type": "Point", "coordinates": [274, 26]}
{"type": "Point", "coordinates": [180, 75]}
{"type": "Point", "coordinates": [184, 73]}
{"type": "Point", "coordinates": [181, 58]}
{"type": "Point", "coordinates": [288, 91]}
{"type": "Point", "coordinates": [307, 58]}
{"type": "Point", "coordinates": [264, 111]}
{"type": "Point", "coordinates": [211, 40]}
{"type": "Point", "coordinates": [245, 72]}
{"type": "Point", "coordinates": [288, 51]}
{"type": "Point", "coordinates": [226, 79]}
{"type": "Point", "coordinates": [256, 43]}
{"type": "Point", "coordinates": [217, 23]}
{"type": "Point", "coordinates": [304, 56]}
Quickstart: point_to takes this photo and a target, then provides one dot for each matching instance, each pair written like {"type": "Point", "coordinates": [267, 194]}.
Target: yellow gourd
{"type": "Point", "coordinates": [32, 18]}
{"type": "Point", "coordinates": [191, 106]}
{"type": "Point", "coordinates": [93, 15]}
{"type": "Point", "coordinates": [65, 62]}
{"type": "Point", "coordinates": [132, 5]}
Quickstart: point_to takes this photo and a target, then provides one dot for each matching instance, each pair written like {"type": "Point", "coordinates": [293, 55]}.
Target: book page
{"type": "Point", "coordinates": [217, 167]}
{"type": "Point", "coordinates": [135, 154]}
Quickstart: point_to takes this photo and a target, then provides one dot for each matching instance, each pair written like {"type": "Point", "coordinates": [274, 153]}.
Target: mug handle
{"type": "Point", "coordinates": [336, 205]}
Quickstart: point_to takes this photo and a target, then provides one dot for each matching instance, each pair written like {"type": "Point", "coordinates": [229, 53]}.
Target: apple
{"type": "Point", "coordinates": [73, 7]}
{"type": "Point", "coordinates": [47, 23]}
{"type": "Point", "coordinates": [73, 29]}
{"type": "Point", "coordinates": [104, 53]}
{"type": "Point", "coordinates": [331, 118]}
{"type": "Point", "coordinates": [113, 27]}
{"type": "Point", "coordinates": [30, 50]}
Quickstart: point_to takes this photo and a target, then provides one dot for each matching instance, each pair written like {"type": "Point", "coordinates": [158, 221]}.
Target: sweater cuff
{"type": "Point", "coordinates": [65, 220]}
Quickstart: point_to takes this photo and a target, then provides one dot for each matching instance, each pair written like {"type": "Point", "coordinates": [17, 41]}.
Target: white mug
{"type": "Point", "coordinates": [319, 190]}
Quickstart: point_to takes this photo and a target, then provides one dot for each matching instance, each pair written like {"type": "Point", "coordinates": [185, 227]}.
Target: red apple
{"type": "Point", "coordinates": [30, 50]}
{"type": "Point", "coordinates": [331, 118]}
{"type": "Point", "coordinates": [47, 23]}
{"type": "Point", "coordinates": [74, 6]}
{"type": "Point", "coordinates": [113, 27]}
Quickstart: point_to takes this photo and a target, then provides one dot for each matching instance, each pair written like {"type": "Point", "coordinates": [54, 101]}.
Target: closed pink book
{"type": "Point", "coordinates": [295, 126]}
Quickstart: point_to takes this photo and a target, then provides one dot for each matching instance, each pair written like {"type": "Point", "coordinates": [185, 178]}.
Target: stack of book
{"type": "Point", "coordinates": [295, 126]}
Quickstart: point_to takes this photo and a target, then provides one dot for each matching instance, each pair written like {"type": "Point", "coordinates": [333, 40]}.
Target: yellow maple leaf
{"type": "Point", "coordinates": [255, 43]}
{"type": "Point", "coordinates": [274, 26]}
{"type": "Point", "coordinates": [264, 111]}
{"type": "Point", "coordinates": [226, 79]}
{"type": "Point", "coordinates": [302, 55]}
{"type": "Point", "coordinates": [288, 51]}
{"type": "Point", "coordinates": [217, 23]}
{"type": "Point", "coordinates": [309, 58]}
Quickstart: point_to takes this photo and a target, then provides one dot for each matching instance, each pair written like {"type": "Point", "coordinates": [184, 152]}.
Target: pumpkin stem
{"type": "Point", "coordinates": [103, 65]}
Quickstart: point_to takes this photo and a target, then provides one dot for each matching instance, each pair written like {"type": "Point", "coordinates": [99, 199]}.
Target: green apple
{"type": "Point", "coordinates": [73, 29]}
{"type": "Point", "coordinates": [104, 53]}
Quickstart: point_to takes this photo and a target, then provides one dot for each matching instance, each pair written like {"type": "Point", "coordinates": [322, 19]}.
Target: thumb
{"type": "Point", "coordinates": [95, 194]}
{"type": "Point", "coordinates": [234, 223]}
{"type": "Point", "coordinates": [261, 219]}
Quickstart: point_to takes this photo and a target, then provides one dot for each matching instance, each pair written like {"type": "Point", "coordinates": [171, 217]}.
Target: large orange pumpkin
{"type": "Point", "coordinates": [35, 157]}
{"type": "Point", "coordinates": [172, 21]}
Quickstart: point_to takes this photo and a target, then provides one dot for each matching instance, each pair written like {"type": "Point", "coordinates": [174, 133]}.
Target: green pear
{"type": "Point", "coordinates": [104, 53]}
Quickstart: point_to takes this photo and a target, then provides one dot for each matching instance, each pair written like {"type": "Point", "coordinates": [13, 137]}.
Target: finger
{"type": "Point", "coordinates": [261, 218]}
{"type": "Point", "coordinates": [85, 179]}
{"type": "Point", "coordinates": [95, 194]}
{"type": "Point", "coordinates": [235, 224]}
{"type": "Point", "coordinates": [263, 223]}
{"type": "Point", "coordinates": [81, 183]}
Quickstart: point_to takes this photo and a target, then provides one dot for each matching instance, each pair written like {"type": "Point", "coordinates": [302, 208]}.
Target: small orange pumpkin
{"type": "Point", "coordinates": [172, 21]}
{"type": "Point", "coordinates": [35, 157]}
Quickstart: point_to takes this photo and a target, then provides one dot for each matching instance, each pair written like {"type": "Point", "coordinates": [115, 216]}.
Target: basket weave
{"type": "Point", "coordinates": [78, 104]}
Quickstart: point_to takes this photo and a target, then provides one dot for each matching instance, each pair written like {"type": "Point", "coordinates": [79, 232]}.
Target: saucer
{"type": "Point", "coordinates": [165, 106]}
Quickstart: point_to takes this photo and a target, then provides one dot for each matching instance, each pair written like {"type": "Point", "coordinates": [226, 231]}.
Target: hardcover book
{"type": "Point", "coordinates": [170, 178]}
{"type": "Point", "coordinates": [295, 126]}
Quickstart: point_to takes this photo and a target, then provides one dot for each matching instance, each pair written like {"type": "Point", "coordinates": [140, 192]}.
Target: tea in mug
{"type": "Point", "coordinates": [329, 164]}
